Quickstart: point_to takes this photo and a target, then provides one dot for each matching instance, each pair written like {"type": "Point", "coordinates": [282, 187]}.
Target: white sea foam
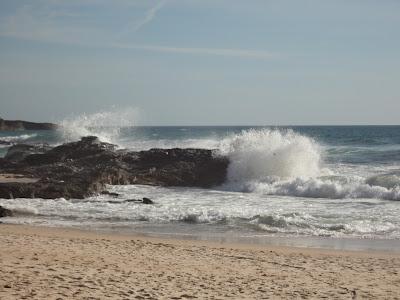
{"type": "Point", "coordinates": [259, 155]}
{"type": "Point", "coordinates": [20, 210]}
{"type": "Point", "coordinates": [323, 188]}
{"type": "Point", "coordinates": [105, 125]}
{"type": "Point", "coordinates": [244, 211]}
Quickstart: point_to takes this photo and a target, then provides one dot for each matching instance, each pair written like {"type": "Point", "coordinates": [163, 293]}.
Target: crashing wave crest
{"type": "Point", "coordinates": [105, 125]}
{"type": "Point", "coordinates": [285, 163]}
{"type": "Point", "coordinates": [262, 154]}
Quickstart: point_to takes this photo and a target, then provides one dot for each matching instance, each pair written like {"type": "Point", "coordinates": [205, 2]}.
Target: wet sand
{"type": "Point", "coordinates": [49, 263]}
{"type": "Point", "coordinates": [9, 178]}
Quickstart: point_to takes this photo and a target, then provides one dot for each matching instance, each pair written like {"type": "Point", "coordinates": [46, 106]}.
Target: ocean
{"type": "Point", "coordinates": [312, 182]}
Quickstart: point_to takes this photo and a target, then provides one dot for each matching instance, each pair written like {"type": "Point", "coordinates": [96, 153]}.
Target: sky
{"type": "Point", "coordinates": [188, 62]}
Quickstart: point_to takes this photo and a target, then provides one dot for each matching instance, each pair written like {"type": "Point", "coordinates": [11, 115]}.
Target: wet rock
{"type": "Point", "coordinates": [20, 151]}
{"type": "Point", "coordinates": [133, 200]}
{"type": "Point", "coordinates": [81, 169]}
{"type": "Point", "coordinates": [109, 193]}
{"type": "Point", "coordinates": [113, 202]}
{"type": "Point", "coordinates": [5, 143]}
{"type": "Point", "coordinates": [144, 201]}
{"type": "Point", "coordinates": [87, 147]}
{"type": "Point", "coordinates": [147, 201]}
{"type": "Point", "coordinates": [4, 212]}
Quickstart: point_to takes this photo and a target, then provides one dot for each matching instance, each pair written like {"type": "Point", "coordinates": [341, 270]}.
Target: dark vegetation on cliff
{"type": "Point", "coordinates": [11, 125]}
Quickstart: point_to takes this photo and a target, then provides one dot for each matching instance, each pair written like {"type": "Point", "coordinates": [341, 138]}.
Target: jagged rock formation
{"type": "Point", "coordinates": [11, 125]}
{"type": "Point", "coordinates": [83, 168]}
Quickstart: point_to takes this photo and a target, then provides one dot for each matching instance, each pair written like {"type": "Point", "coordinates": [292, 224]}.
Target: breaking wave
{"type": "Point", "coordinates": [262, 154]}
{"type": "Point", "coordinates": [19, 210]}
{"type": "Point", "coordinates": [323, 188]}
{"type": "Point", "coordinates": [105, 125]}
{"type": "Point", "coordinates": [285, 163]}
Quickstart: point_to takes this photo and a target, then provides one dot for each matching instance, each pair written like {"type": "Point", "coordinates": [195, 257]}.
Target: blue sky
{"type": "Point", "coordinates": [187, 62]}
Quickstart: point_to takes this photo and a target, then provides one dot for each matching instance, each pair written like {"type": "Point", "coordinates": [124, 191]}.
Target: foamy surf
{"type": "Point", "coordinates": [217, 211]}
{"type": "Point", "coordinates": [322, 188]}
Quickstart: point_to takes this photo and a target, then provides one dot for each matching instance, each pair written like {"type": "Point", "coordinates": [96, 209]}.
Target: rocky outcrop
{"type": "Point", "coordinates": [11, 125]}
{"type": "Point", "coordinates": [4, 212]}
{"type": "Point", "coordinates": [144, 200]}
{"type": "Point", "coordinates": [20, 151]}
{"type": "Point", "coordinates": [83, 168]}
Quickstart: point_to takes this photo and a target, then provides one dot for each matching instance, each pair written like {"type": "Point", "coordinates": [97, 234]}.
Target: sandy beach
{"type": "Point", "coordinates": [49, 263]}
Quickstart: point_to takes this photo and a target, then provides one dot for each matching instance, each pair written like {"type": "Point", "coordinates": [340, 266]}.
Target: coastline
{"type": "Point", "coordinates": [193, 233]}
{"type": "Point", "coordinates": [43, 262]}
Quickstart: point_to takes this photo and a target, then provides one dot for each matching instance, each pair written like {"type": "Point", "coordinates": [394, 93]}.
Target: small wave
{"type": "Point", "coordinates": [20, 211]}
{"type": "Point", "coordinates": [339, 227]}
{"type": "Point", "coordinates": [319, 188]}
{"type": "Point", "coordinates": [273, 221]}
{"type": "Point", "coordinates": [17, 138]}
{"type": "Point", "coordinates": [389, 181]}
{"type": "Point", "coordinates": [303, 224]}
{"type": "Point", "coordinates": [191, 219]}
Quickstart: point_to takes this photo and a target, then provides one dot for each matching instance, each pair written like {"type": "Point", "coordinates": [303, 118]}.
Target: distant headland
{"type": "Point", "coordinates": [11, 125]}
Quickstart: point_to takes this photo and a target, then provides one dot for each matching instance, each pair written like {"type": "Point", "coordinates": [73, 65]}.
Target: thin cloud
{"type": "Point", "coordinates": [28, 25]}
{"type": "Point", "coordinates": [246, 53]}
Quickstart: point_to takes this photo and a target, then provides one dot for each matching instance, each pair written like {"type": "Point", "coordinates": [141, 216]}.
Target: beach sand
{"type": "Point", "coordinates": [49, 263]}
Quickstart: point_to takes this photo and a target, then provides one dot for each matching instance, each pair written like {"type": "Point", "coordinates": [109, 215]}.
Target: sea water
{"type": "Point", "coordinates": [292, 181]}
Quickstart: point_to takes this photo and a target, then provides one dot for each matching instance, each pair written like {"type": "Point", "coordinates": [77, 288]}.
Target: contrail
{"type": "Point", "coordinates": [151, 13]}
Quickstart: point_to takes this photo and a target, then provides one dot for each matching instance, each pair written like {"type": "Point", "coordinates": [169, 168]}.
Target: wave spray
{"type": "Point", "coordinates": [106, 125]}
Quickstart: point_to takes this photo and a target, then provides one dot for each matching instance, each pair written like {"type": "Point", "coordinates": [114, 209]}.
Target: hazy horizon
{"type": "Point", "coordinates": [202, 63]}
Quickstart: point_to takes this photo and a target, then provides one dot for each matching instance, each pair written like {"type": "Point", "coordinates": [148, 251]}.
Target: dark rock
{"type": "Point", "coordinates": [133, 200]}
{"type": "Point", "coordinates": [109, 193]}
{"type": "Point", "coordinates": [5, 143]}
{"type": "Point", "coordinates": [8, 125]}
{"type": "Point", "coordinates": [20, 151]}
{"type": "Point", "coordinates": [4, 212]}
{"type": "Point", "coordinates": [83, 168]}
{"type": "Point", "coordinates": [87, 147]}
{"type": "Point", "coordinates": [144, 201]}
{"type": "Point", "coordinates": [147, 201]}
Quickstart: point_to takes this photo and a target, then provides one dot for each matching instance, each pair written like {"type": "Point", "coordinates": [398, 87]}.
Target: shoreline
{"type": "Point", "coordinates": [301, 242]}
{"type": "Point", "coordinates": [356, 244]}
{"type": "Point", "coordinates": [43, 263]}
{"type": "Point", "coordinates": [182, 239]}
